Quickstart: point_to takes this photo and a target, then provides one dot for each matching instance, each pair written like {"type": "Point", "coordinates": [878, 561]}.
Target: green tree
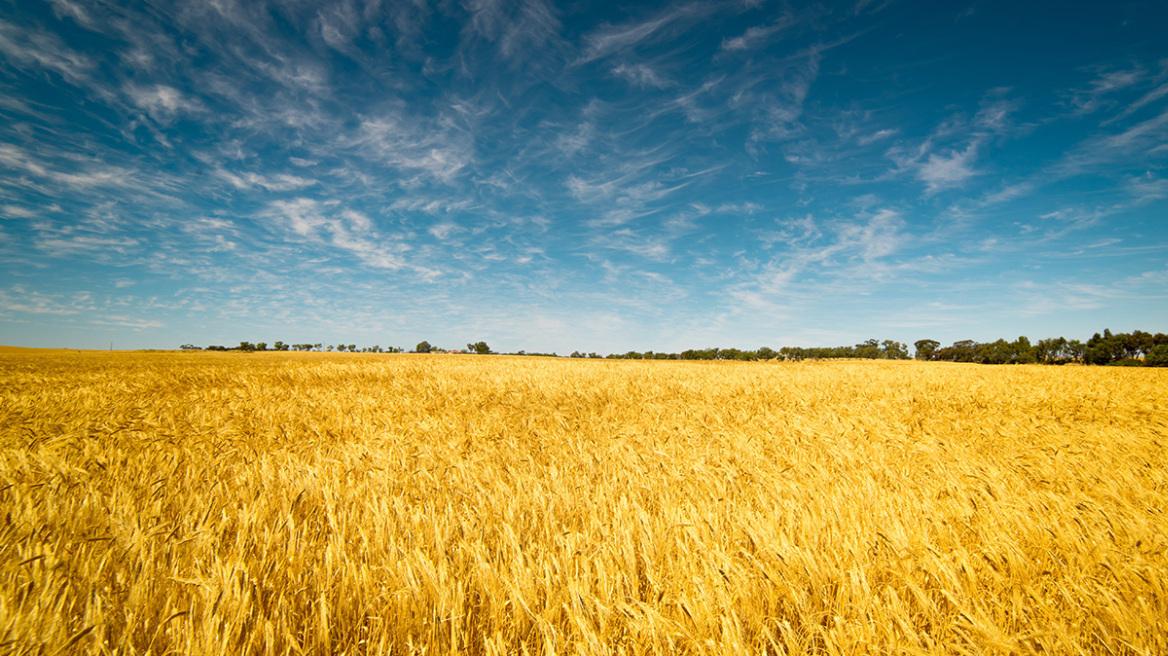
{"type": "Point", "coordinates": [480, 348]}
{"type": "Point", "coordinates": [870, 350]}
{"type": "Point", "coordinates": [1021, 351]}
{"type": "Point", "coordinates": [423, 347]}
{"type": "Point", "coordinates": [926, 348]}
{"type": "Point", "coordinates": [1157, 357]}
{"type": "Point", "coordinates": [894, 350]}
{"type": "Point", "coordinates": [1052, 350]}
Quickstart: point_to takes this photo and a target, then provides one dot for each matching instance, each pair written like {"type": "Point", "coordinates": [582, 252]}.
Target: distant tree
{"type": "Point", "coordinates": [894, 350]}
{"type": "Point", "coordinates": [480, 348]}
{"type": "Point", "coordinates": [245, 346]}
{"type": "Point", "coordinates": [1141, 342]}
{"type": "Point", "coordinates": [261, 346]}
{"type": "Point", "coordinates": [423, 347]}
{"type": "Point", "coordinates": [576, 354]}
{"type": "Point", "coordinates": [997, 352]}
{"type": "Point", "coordinates": [1157, 357]}
{"type": "Point", "coordinates": [767, 353]}
{"type": "Point", "coordinates": [1104, 350]}
{"type": "Point", "coordinates": [190, 347]}
{"type": "Point", "coordinates": [280, 346]}
{"type": "Point", "coordinates": [352, 348]}
{"type": "Point", "coordinates": [926, 348]}
{"type": "Point", "coordinates": [1052, 350]}
{"type": "Point", "coordinates": [1021, 351]}
{"type": "Point", "coordinates": [870, 349]}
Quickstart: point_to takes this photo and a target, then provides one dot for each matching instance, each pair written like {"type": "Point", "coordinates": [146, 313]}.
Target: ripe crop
{"type": "Point", "coordinates": [364, 504]}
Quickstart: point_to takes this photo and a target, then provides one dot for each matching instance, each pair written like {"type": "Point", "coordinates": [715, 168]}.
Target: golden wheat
{"type": "Point", "coordinates": [325, 504]}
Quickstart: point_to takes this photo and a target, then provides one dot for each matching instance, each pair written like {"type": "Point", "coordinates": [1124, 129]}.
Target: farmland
{"type": "Point", "coordinates": [277, 503]}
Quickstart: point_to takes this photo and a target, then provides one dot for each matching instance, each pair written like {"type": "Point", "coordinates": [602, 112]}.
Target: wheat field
{"type": "Point", "coordinates": [200, 503]}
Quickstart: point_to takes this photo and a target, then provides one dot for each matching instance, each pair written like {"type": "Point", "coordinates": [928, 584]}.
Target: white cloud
{"type": "Point", "coordinates": [994, 116]}
{"type": "Point", "coordinates": [432, 149]}
{"type": "Point", "coordinates": [36, 48]}
{"type": "Point", "coordinates": [302, 215]}
{"type": "Point", "coordinates": [880, 236]}
{"type": "Point", "coordinates": [276, 182]}
{"type": "Point", "coordinates": [1147, 133]}
{"type": "Point", "coordinates": [952, 169]}
{"type": "Point", "coordinates": [777, 114]}
{"type": "Point", "coordinates": [19, 299]}
{"type": "Point", "coordinates": [443, 230]}
{"type": "Point", "coordinates": [128, 322]}
{"type": "Point", "coordinates": [16, 212]}
{"type": "Point", "coordinates": [1090, 100]}
{"type": "Point", "coordinates": [879, 135]}
{"type": "Point", "coordinates": [517, 27]}
{"type": "Point", "coordinates": [161, 102]}
{"type": "Point", "coordinates": [1148, 187]}
{"type": "Point", "coordinates": [429, 205]}
{"type": "Point", "coordinates": [73, 10]}
{"type": "Point", "coordinates": [1147, 99]}
{"type": "Point", "coordinates": [59, 246]}
{"type": "Point", "coordinates": [612, 39]}
{"type": "Point", "coordinates": [1008, 193]}
{"type": "Point", "coordinates": [328, 224]}
{"type": "Point", "coordinates": [752, 38]}
{"type": "Point", "coordinates": [94, 174]}
{"type": "Point", "coordinates": [641, 75]}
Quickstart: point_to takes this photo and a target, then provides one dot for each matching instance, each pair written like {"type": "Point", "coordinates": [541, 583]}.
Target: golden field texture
{"type": "Point", "coordinates": [266, 503]}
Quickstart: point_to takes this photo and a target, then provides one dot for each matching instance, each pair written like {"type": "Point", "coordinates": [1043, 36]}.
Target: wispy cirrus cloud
{"type": "Point", "coordinates": [18, 299]}
{"type": "Point", "coordinates": [517, 28]}
{"type": "Point", "coordinates": [608, 40]}
{"type": "Point", "coordinates": [162, 102]}
{"type": "Point", "coordinates": [948, 169]}
{"type": "Point", "coordinates": [80, 174]}
{"type": "Point", "coordinates": [35, 49]}
{"type": "Point", "coordinates": [328, 223]}
{"type": "Point", "coordinates": [434, 149]}
{"type": "Point", "coordinates": [272, 182]}
{"type": "Point", "coordinates": [641, 75]}
{"type": "Point", "coordinates": [1099, 93]}
{"type": "Point", "coordinates": [759, 36]}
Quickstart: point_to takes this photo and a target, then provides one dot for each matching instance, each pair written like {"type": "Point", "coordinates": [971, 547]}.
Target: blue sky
{"type": "Point", "coordinates": [580, 175]}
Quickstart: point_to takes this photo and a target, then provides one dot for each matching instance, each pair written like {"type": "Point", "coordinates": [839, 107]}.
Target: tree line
{"type": "Point", "coordinates": [1137, 348]}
